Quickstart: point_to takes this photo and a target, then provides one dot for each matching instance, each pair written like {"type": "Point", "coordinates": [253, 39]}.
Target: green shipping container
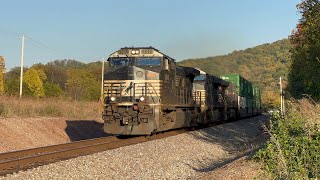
{"type": "Point", "coordinates": [249, 102]}
{"type": "Point", "coordinates": [257, 96]}
{"type": "Point", "coordinates": [243, 86]}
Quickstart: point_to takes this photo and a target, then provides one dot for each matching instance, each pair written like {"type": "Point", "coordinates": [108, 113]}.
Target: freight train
{"type": "Point", "coordinates": [146, 92]}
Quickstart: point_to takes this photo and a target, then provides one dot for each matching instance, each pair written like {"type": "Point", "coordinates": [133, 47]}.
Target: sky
{"type": "Point", "coordinates": [91, 30]}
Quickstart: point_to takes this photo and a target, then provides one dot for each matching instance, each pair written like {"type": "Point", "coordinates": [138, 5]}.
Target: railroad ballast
{"type": "Point", "coordinates": [145, 92]}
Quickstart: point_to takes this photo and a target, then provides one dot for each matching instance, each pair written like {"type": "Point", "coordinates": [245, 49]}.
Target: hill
{"type": "Point", "coordinates": [263, 65]}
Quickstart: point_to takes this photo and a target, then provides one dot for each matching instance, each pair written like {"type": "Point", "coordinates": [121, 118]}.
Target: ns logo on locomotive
{"type": "Point", "coordinates": [146, 92]}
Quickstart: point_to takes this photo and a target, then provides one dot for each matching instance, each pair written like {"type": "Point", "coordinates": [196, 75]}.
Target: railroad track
{"type": "Point", "coordinates": [25, 159]}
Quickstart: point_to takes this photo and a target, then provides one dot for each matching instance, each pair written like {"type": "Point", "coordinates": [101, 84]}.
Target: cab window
{"type": "Point", "coordinates": [200, 77]}
{"type": "Point", "coordinates": [119, 62]}
{"type": "Point", "coordinates": [148, 61]}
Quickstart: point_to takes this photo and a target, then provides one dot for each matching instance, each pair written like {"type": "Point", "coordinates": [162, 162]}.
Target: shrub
{"type": "Point", "coordinates": [293, 151]}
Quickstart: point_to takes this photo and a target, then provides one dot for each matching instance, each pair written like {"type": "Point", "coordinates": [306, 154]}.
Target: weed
{"type": "Point", "coordinates": [48, 107]}
{"type": "Point", "coordinates": [293, 151]}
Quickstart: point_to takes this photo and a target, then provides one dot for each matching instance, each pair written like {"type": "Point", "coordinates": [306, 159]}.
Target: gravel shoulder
{"type": "Point", "coordinates": [199, 154]}
{"type": "Point", "coordinates": [242, 168]}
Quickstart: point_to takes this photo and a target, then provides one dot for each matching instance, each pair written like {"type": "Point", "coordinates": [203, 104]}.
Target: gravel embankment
{"type": "Point", "coordinates": [189, 155]}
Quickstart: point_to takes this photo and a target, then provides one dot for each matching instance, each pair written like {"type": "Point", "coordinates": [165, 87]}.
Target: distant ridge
{"type": "Point", "coordinates": [263, 65]}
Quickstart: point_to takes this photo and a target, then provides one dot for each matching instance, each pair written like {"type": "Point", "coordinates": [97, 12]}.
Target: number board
{"type": "Point", "coordinates": [147, 51]}
{"type": "Point", "coordinates": [123, 51]}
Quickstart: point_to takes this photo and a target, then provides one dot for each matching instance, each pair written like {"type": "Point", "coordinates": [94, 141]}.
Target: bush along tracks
{"type": "Point", "coordinates": [293, 151]}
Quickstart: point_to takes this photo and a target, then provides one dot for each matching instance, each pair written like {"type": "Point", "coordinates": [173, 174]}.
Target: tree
{"type": "Point", "coordinates": [304, 72]}
{"type": "Point", "coordinates": [82, 85]}
{"type": "Point", "coordinates": [52, 90]}
{"type": "Point", "coordinates": [34, 80]}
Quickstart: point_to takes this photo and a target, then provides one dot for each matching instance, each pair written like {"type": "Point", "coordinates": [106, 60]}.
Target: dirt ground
{"type": "Point", "coordinates": [24, 133]}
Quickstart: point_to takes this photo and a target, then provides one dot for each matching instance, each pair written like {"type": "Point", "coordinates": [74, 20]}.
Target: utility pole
{"type": "Point", "coordinates": [21, 71]}
{"type": "Point", "coordinates": [281, 97]}
{"type": "Point", "coordinates": [102, 79]}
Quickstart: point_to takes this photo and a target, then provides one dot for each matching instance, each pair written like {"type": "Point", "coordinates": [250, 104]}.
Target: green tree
{"type": "Point", "coordinates": [34, 80]}
{"type": "Point", "coordinates": [52, 90]}
{"type": "Point", "coordinates": [82, 85]}
{"type": "Point", "coordinates": [304, 73]}
{"type": "Point", "coordinates": [12, 83]}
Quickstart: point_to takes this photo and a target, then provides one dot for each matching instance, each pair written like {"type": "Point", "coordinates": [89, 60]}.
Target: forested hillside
{"type": "Point", "coordinates": [262, 64]}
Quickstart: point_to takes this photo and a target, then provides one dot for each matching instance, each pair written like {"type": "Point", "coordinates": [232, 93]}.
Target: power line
{"type": "Point", "coordinates": [8, 32]}
{"type": "Point", "coordinates": [40, 43]}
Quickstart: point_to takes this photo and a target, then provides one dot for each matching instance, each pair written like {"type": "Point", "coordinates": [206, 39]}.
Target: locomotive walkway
{"type": "Point", "coordinates": [25, 159]}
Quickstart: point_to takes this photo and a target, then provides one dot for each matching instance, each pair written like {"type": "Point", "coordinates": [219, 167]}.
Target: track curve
{"type": "Point", "coordinates": [25, 159]}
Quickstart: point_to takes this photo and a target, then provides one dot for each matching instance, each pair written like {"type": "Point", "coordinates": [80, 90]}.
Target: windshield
{"type": "Point", "coordinates": [149, 61]}
{"type": "Point", "coordinates": [200, 77]}
{"type": "Point", "coordinates": [119, 62]}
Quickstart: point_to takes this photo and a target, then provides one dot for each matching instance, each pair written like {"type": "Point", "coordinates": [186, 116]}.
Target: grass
{"type": "Point", "coordinates": [48, 107]}
{"type": "Point", "coordinates": [293, 151]}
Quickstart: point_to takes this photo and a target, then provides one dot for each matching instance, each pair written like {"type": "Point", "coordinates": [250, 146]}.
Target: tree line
{"type": "Point", "coordinates": [60, 78]}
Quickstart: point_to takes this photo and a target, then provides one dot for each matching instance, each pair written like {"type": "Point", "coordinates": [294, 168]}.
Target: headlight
{"type": "Point", "coordinates": [135, 52]}
{"type": "Point", "coordinates": [141, 98]}
{"type": "Point", "coordinates": [112, 99]}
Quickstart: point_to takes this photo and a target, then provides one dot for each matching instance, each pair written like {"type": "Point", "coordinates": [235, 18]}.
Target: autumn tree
{"type": "Point", "coordinates": [34, 80]}
{"type": "Point", "coordinates": [305, 69]}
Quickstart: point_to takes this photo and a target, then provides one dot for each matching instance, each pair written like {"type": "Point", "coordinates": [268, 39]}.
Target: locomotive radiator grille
{"type": "Point", "coordinates": [133, 89]}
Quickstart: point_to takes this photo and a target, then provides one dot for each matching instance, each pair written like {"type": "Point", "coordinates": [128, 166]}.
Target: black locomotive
{"type": "Point", "coordinates": [146, 92]}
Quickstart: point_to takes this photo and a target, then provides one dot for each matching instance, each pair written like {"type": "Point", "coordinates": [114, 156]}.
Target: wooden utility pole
{"type": "Point", "coordinates": [2, 70]}
{"type": "Point", "coordinates": [21, 70]}
{"type": "Point", "coordinates": [281, 97]}
{"type": "Point", "coordinates": [102, 79]}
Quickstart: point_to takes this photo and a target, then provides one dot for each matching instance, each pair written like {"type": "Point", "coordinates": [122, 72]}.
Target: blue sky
{"type": "Point", "coordinates": [91, 30]}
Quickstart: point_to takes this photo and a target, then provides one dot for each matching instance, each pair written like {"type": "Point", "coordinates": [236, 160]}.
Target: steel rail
{"type": "Point", "coordinates": [25, 159]}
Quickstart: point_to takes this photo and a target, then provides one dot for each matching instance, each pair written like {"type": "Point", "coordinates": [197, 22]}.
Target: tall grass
{"type": "Point", "coordinates": [293, 151]}
{"type": "Point", "coordinates": [48, 107]}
